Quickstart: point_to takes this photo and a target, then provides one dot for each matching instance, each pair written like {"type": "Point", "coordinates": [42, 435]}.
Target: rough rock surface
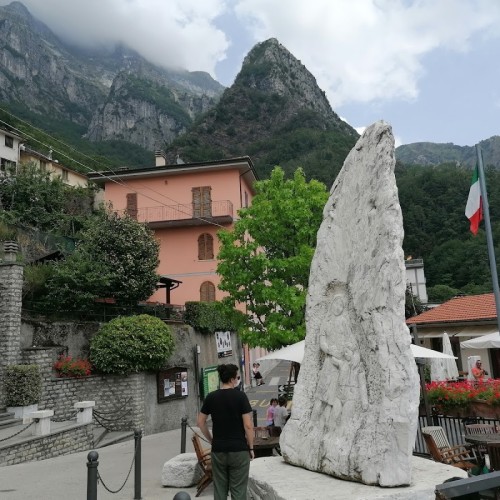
{"type": "Point", "coordinates": [181, 471]}
{"type": "Point", "coordinates": [355, 405]}
{"type": "Point", "coordinates": [273, 479]}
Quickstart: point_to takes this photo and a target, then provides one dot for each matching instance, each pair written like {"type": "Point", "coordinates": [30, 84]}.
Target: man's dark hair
{"type": "Point", "coordinates": [227, 372]}
{"type": "Point", "coordinates": [282, 401]}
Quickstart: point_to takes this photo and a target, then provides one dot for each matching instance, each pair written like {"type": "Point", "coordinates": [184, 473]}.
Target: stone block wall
{"type": "Point", "coordinates": [78, 437]}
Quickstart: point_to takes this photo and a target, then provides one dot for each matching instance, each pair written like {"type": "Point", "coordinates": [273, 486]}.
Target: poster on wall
{"type": "Point", "coordinates": [172, 384]}
{"type": "Point", "coordinates": [209, 380]}
{"type": "Point", "coordinates": [223, 343]}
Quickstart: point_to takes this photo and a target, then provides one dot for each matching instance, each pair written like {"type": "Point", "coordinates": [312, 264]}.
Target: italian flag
{"type": "Point", "coordinates": [474, 208]}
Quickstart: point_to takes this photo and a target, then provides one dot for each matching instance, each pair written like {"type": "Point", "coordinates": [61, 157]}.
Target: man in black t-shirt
{"type": "Point", "coordinates": [232, 442]}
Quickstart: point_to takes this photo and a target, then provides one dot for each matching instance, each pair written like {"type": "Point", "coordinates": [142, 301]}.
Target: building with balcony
{"type": "Point", "coordinates": [185, 204]}
{"type": "Point", "coordinates": [10, 145]}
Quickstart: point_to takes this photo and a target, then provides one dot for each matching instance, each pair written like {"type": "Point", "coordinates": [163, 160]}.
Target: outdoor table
{"type": "Point", "coordinates": [483, 439]}
{"type": "Point", "coordinates": [263, 447]}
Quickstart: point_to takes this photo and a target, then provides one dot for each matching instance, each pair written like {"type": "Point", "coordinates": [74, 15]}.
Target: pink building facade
{"type": "Point", "coordinates": [186, 205]}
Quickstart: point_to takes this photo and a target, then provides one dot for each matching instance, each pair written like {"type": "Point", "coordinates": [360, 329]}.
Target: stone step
{"type": "Point", "coordinates": [9, 422]}
{"type": "Point", "coordinates": [6, 415]}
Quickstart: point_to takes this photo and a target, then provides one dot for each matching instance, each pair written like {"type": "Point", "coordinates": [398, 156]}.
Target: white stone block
{"type": "Point", "coordinates": [181, 471]}
{"type": "Point", "coordinates": [42, 422]}
{"type": "Point", "coordinates": [84, 415]}
{"type": "Point", "coordinates": [22, 411]}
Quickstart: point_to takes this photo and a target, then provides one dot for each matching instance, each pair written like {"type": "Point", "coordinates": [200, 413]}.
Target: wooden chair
{"type": "Point", "coordinates": [439, 447]}
{"type": "Point", "coordinates": [205, 463]}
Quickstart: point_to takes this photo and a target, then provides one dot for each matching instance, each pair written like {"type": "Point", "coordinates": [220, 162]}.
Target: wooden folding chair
{"type": "Point", "coordinates": [205, 463]}
{"type": "Point", "coordinates": [439, 447]}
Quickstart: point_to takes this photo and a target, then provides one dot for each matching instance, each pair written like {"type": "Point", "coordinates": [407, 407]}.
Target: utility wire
{"type": "Point", "coordinates": [121, 182]}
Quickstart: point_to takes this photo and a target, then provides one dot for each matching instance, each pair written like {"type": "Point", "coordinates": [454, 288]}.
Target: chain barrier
{"type": "Point", "coordinates": [102, 417]}
{"type": "Point", "coordinates": [197, 434]}
{"type": "Point", "coordinates": [116, 410]}
{"type": "Point", "coordinates": [18, 432]}
{"type": "Point", "coordinates": [102, 424]}
{"type": "Point", "coordinates": [99, 477]}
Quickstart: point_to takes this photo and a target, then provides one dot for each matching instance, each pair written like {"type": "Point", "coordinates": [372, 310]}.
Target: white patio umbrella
{"type": "Point", "coordinates": [444, 368]}
{"type": "Point", "coordinates": [295, 352]}
{"type": "Point", "coordinates": [489, 341]}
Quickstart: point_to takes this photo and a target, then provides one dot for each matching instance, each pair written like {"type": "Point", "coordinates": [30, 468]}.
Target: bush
{"type": "Point", "coordinates": [66, 366]}
{"type": "Point", "coordinates": [22, 385]}
{"type": "Point", "coordinates": [131, 344]}
{"type": "Point", "coordinates": [208, 317]}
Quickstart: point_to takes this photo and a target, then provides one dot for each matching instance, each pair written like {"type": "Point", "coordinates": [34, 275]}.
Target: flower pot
{"type": "Point", "coordinates": [484, 409]}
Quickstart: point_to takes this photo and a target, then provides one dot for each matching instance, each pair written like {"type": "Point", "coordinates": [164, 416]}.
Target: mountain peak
{"type": "Point", "coordinates": [18, 8]}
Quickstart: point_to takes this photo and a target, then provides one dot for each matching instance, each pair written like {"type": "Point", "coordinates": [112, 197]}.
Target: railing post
{"type": "Point", "coordinates": [92, 463]}
{"type": "Point", "coordinates": [183, 434]}
{"type": "Point", "coordinates": [254, 412]}
{"type": "Point", "coordinates": [137, 470]}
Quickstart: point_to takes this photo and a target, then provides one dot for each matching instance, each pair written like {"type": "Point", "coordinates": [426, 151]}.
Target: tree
{"type": "Point", "coordinates": [116, 258]}
{"type": "Point", "coordinates": [264, 262]}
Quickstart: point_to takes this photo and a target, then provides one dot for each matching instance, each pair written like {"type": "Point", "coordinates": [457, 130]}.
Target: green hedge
{"type": "Point", "coordinates": [22, 385]}
{"type": "Point", "coordinates": [131, 344]}
{"type": "Point", "coordinates": [209, 317]}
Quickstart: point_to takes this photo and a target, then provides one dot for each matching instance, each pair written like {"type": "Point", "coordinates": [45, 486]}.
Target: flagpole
{"type": "Point", "coordinates": [489, 234]}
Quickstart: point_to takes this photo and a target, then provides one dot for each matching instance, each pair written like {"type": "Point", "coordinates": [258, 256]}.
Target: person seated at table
{"type": "Point", "coordinates": [477, 371]}
{"type": "Point", "coordinates": [280, 415]}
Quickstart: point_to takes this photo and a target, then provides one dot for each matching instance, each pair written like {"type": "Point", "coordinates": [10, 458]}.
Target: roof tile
{"type": "Point", "coordinates": [467, 308]}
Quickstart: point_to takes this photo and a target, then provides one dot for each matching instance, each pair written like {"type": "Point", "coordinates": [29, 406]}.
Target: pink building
{"type": "Point", "coordinates": [185, 204]}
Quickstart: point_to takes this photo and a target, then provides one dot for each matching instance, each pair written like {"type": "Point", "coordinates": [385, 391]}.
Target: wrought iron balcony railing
{"type": "Point", "coordinates": [184, 214]}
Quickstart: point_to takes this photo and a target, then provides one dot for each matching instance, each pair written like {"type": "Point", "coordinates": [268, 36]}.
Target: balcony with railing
{"type": "Point", "coordinates": [188, 214]}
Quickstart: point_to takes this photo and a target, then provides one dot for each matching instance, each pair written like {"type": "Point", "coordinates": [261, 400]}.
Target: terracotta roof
{"type": "Point", "coordinates": [467, 308]}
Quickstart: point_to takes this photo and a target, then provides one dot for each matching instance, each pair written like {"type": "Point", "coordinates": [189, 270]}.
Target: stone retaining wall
{"type": "Point", "coordinates": [78, 437]}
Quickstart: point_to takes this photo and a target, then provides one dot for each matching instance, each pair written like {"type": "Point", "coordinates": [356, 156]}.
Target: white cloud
{"type": "Point", "coordinates": [174, 33]}
{"type": "Point", "coordinates": [368, 50]}
{"type": "Point", "coordinates": [360, 51]}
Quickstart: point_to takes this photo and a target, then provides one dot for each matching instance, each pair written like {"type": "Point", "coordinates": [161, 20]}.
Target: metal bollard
{"type": "Point", "coordinates": [254, 418]}
{"type": "Point", "coordinates": [137, 470]}
{"type": "Point", "coordinates": [92, 463]}
{"type": "Point", "coordinates": [184, 421]}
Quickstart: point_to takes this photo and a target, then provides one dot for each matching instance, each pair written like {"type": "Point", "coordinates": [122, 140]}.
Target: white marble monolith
{"type": "Point", "coordinates": [355, 406]}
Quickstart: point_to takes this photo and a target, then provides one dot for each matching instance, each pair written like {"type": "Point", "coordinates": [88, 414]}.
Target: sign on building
{"type": "Point", "coordinates": [223, 343]}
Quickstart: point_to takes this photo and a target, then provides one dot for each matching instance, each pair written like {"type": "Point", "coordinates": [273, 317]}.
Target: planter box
{"type": "Point", "coordinates": [22, 411]}
{"type": "Point", "coordinates": [485, 410]}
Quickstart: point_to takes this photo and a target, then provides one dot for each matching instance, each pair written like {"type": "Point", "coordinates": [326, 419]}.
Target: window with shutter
{"type": "Point", "coordinates": [205, 246]}
{"type": "Point", "coordinates": [207, 292]}
{"type": "Point", "coordinates": [132, 205]}
{"type": "Point", "coordinates": [202, 201]}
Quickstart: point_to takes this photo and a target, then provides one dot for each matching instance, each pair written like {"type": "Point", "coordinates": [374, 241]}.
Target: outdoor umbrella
{"type": "Point", "coordinates": [489, 341]}
{"type": "Point", "coordinates": [444, 368]}
{"type": "Point", "coordinates": [295, 352]}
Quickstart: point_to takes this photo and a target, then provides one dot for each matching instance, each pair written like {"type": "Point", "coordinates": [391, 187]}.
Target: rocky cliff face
{"type": "Point", "coordinates": [38, 71]}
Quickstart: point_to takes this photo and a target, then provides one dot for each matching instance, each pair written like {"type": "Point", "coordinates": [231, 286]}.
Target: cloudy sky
{"type": "Point", "coordinates": [428, 67]}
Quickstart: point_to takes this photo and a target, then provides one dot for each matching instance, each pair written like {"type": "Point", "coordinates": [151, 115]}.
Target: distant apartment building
{"type": "Point", "coordinates": [46, 164]}
{"type": "Point", "coordinates": [415, 277]}
{"type": "Point", "coordinates": [10, 145]}
{"type": "Point", "coordinates": [185, 204]}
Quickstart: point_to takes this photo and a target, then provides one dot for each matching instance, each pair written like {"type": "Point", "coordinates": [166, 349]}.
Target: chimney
{"type": "Point", "coordinates": [160, 158]}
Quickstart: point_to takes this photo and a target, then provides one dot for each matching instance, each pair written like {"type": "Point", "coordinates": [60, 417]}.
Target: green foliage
{"type": "Point", "coordinates": [413, 306]}
{"type": "Point", "coordinates": [34, 279]}
{"type": "Point", "coordinates": [264, 262]}
{"type": "Point", "coordinates": [441, 293]}
{"type": "Point", "coordinates": [131, 344]}
{"type": "Point", "coordinates": [209, 317]}
{"type": "Point", "coordinates": [433, 203]}
{"type": "Point", "coordinates": [22, 385]}
{"type": "Point", "coordinates": [116, 258]}
{"type": "Point", "coordinates": [30, 197]}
